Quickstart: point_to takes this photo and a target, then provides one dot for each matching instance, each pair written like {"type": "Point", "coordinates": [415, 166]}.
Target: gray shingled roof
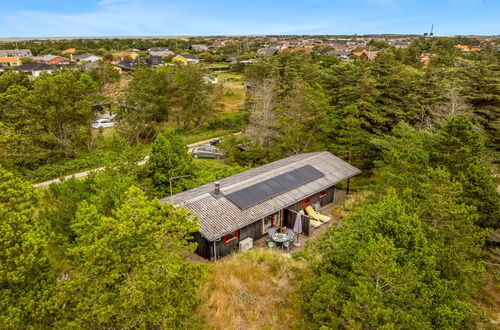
{"type": "Point", "coordinates": [219, 216]}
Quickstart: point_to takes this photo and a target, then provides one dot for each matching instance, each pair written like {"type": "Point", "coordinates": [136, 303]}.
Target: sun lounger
{"type": "Point", "coordinates": [320, 217]}
{"type": "Point", "coordinates": [314, 223]}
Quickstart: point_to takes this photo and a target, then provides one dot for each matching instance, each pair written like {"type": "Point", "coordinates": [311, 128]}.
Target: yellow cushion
{"type": "Point", "coordinates": [316, 215]}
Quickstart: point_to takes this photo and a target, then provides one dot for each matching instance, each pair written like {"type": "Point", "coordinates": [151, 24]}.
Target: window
{"type": "Point", "coordinates": [306, 201]}
{"type": "Point", "coordinates": [231, 237]}
{"type": "Point", "coordinates": [323, 194]}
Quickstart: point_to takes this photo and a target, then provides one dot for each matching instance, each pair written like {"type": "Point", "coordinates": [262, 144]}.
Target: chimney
{"type": "Point", "coordinates": [217, 188]}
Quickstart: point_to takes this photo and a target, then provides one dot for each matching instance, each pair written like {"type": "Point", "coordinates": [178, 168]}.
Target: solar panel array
{"type": "Point", "coordinates": [269, 188]}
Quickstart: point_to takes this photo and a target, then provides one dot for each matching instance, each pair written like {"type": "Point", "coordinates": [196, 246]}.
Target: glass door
{"type": "Point", "coordinates": [271, 221]}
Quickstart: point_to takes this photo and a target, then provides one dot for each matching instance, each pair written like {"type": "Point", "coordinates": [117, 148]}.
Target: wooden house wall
{"type": "Point", "coordinates": [254, 230]}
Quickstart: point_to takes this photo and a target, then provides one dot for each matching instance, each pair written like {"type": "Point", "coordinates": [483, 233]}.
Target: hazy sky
{"type": "Point", "coordinates": [55, 18]}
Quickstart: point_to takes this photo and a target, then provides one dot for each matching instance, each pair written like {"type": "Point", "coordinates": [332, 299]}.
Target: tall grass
{"type": "Point", "coordinates": [252, 290]}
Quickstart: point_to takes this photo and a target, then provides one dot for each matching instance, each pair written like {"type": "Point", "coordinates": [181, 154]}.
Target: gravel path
{"type": "Point", "coordinates": [85, 173]}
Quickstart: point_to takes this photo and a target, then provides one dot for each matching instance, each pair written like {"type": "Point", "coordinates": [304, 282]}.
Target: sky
{"type": "Point", "coordinates": [58, 18]}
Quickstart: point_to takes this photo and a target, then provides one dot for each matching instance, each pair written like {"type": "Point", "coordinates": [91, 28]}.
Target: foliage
{"type": "Point", "coordinates": [380, 269]}
{"type": "Point", "coordinates": [129, 269]}
{"type": "Point", "coordinates": [169, 159]}
{"type": "Point", "coordinates": [26, 281]}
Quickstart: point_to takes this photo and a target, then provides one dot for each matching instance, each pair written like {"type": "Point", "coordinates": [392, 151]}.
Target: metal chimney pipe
{"type": "Point", "coordinates": [217, 188]}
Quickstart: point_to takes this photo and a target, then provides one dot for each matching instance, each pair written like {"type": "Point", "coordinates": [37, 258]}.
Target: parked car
{"type": "Point", "coordinates": [104, 122]}
{"type": "Point", "coordinates": [207, 151]}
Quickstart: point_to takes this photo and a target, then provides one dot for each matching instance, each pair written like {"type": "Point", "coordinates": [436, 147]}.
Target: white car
{"type": "Point", "coordinates": [104, 123]}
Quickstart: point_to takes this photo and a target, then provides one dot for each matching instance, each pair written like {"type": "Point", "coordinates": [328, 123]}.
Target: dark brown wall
{"type": "Point", "coordinates": [254, 230]}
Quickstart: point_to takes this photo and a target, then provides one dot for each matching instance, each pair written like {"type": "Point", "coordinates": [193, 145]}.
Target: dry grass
{"type": "Point", "coordinates": [252, 290]}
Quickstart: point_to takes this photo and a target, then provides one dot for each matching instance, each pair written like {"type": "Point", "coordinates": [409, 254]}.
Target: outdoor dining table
{"type": "Point", "coordinates": [279, 238]}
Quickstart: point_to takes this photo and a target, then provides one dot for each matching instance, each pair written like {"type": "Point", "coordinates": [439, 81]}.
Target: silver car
{"type": "Point", "coordinates": [104, 123]}
{"type": "Point", "coordinates": [207, 151]}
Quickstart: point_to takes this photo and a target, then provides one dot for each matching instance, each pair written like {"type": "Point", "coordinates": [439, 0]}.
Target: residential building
{"type": "Point", "coordinates": [425, 59]}
{"type": "Point", "coordinates": [9, 61]}
{"type": "Point", "coordinates": [248, 204]}
{"type": "Point", "coordinates": [369, 54]}
{"type": "Point", "coordinates": [339, 53]}
{"type": "Point", "coordinates": [33, 69]}
{"type": "Point", "coordinates": [463, 48]}
{"type": "Point", "coordinates": [125, 55]}
{"type": "Point", "coordinates": [186, 58]}
{"type": "Point", "coordinates": [87, 58]}
{"type": "Point", "coordinates": [50, 59]}
{"type": "Point", "coordinates": [267, 52]}
{"type": "Point", "coordinates": [68, 51]}
{"type": "Point", "coordinates": [199, 48]}
{"type": "Point", "coordinates": [15, 53]}
{"type": "Point", "coordinates": [161, 52]}
{"type": "Point", "coordinates": [154, 60]}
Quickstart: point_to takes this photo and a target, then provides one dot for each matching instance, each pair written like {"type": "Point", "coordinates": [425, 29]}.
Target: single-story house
{"type": "Point", "coordinates": [9, 61]}
{"type": "Point", "coordinates": [267, 52]}
{"type": "Point", "coordinates": [126, 65]}
{"type": "Point", "coordinates": [50, 59]}
{"type": "Point", "coordinates": [15, 53]}
{"type": "Point", "coordinates": [68, 51]}
{"type": "Point", "coordinates": [154, 60]}
{"type": "Point", "coordinates": [186, 58]}
{"type": "Point", "coordinates": [162, 53]}
{"type": "Point", "coordinates": [248, 204]}
{"type": "Point", "coordinates": [87, 58]}
{"type": "Point", "coordinates": [339, 53]}
{"type": "Point", "coordinates": [125, 55]}
{"type": "Point", "coordinates": [199, 48]}
{"type": "Point", "coordinates": [33, 69]}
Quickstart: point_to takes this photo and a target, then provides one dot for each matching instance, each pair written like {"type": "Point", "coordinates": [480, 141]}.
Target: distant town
{"type": "Point", "coordinates": [216, 53]}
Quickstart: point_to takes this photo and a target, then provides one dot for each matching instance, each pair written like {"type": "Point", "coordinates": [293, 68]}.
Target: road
{"type": "Point", "coordinates": [85, 173]}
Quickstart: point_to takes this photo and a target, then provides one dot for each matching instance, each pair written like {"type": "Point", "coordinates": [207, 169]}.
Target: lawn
{"type": "Point", "coordinates": [234, 91]}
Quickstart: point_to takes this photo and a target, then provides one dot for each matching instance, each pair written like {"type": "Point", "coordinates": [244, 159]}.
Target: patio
{"type": "Point", "coordinates": [340, 198]}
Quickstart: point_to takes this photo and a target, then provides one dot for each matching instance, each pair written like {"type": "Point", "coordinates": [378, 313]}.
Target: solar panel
{"type": "Point", "coordinates": [259, 192]}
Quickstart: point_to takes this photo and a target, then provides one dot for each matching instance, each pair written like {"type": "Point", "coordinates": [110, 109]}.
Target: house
{"type": "Point", "coordinates": [248, 204]}
{"type": "Point", "coordinates": [154, 60]}
{"type": "Point", "coordinates": [126, 65]}
{"type": "Point", "coordinates": [50, 59]}
{"type": "Point", "coordinates": [199, 48]}
{"type": "Point", "coordinates": [87, 58]}
{"type": "Point", "coordinates": [425, 59]}
{"type": "Point", "coordinates": [232, 56]}
{"type": "Point", "coordinates": [339, 53]}
{"type": "Point", "coordinates": [369, 54]}
{"type": "Point", "coordinates": [15, 53]}
{"type": "Point", "coordinates": [186, 58]}
{"type": "Point", "coordinates": [9, 61]}
{"type": "Point", "coordinates": [160, 52]}
{"type": "Point", "coordinates": [267, 52]}
{"type": "Point", "coordinates": [33, 69]}
{"type": "Point", "coordinates": [463, 48]}
{"type": "Point", "coordinates": [68, 51]}
{"type": "Point", "coordinates": [125, 55]}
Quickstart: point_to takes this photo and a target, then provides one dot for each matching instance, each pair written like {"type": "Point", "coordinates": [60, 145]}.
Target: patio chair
{"type": "Point", "coordinates": [321, 217]}
{"type": "Point", "coordinates": [290, 235]}
{"type": "Point", "coordinates": [271, 232]}
{"type": "Point", "coordinates": [314, 223]}
{"type": "Point", "coordinates": [287, 245]}
{"type": "Point", "coordinates": [270, 244]}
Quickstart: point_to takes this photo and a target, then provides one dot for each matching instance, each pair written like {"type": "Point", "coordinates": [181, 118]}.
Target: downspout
{"type": "Point", "coordinates": [215, 248]}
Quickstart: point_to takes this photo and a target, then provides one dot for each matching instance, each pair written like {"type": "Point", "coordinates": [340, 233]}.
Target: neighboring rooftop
{"type": "Point", "coordinates": [33, 67]}
{"type": "Point", "coordinates": [15, 53]}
